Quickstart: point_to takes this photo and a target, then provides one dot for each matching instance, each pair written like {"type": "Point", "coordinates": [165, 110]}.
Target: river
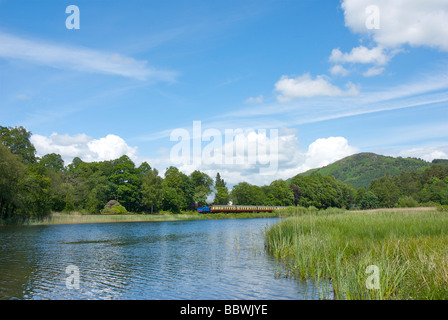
{"type": "Point", "coordinates": [195, 260]}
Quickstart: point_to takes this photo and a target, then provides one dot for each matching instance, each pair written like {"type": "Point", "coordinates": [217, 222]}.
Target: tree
{"type": "Point", "coordinates": [241, 194]}
{"type": "Point", "coordinates": [144, 169]}
{"type": "Point", "coordinates": [100, 191]}
{"type": "Point", "coordinates": [322, 191]}
{"type": "Point", "coordinates": [52, 166]}
{"type": "Point", "coordinates": [360, 192]}
{"type": "Point", "coordinates": [178, 190]}
{"type": "Point", "coordinates": [53, 162]}
{"type": "Point", "coordinates": [200, 179]}
{"type": "Point", "coordinates": [434, 190]}
{"type": "Point", "coordinates": [75, 165]}
{"type": "Point", "coordinates": [297, 194]}
{"type": "Point", "coordinates": [369, 201]}
{"type": "Point", "coordinates": [24, 190]}
{"type": "Point", "coordinates": [219, 182]}
{"type": "Point", "coordinates": [200, 195]}
{"type": "Point", "coordinates": [202, 185]}
{"type": "Point", "coordinates": [222, 196]}
{"type": "Point", "coordinates": [58, 190]}
{"type": "Point", "coordinates": [281, 193]}
{"type": "Point", "coordinates": [12, 172]}
{"type": "Point", "coordinates": [386, 191]}
{"type": "Point", "coordinates": [172, 200]}
{"type": "Point", "coordinates": [152, 190]}
{"type": "Point", "coordinates": [125, 176]}
{"type": "Point", "coordinates": [18, 141]}
{"type": "Point", "coordinates": [34, 194]}
{"type": "Point", "coordinates": [245, 194]}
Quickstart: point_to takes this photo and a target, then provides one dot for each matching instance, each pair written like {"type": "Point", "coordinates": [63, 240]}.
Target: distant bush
{"type": "Point", "coordinates": [442, 207]}
{"type": "Point", "coordinates": [428, 204]}
{"type": "Point", "coordinates": [369, 201]}
{"type": "Point", "coordinates": [312, 209]}
{"type": "Point", "coordinates": [407, 202]}
{"type": "Point", "coordinates": [299, 210]}
{"type": "Point", "coordinates": [113, 207]}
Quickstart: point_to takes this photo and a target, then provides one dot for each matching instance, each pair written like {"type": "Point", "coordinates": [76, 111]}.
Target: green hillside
{"type": "Point", "coordinates": [359, 169]}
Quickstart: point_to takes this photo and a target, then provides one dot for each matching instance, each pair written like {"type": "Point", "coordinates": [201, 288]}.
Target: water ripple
{"type": "Point", "coordinates": [212, 259]}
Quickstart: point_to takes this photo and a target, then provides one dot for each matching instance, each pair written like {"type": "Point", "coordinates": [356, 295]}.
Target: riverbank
{"type": "Point", "coordinates": [78, 218]}
{"type": "Point", "coordinates": [381, 254]}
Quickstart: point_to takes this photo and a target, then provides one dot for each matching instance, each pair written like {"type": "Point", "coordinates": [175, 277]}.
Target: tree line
{"type": "Point", "coordinates": [33, 187]}
{"type": "Point", "coordinates": [409, 189]}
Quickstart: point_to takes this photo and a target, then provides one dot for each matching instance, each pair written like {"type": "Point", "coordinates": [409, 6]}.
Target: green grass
{"type": "Point", "coordinates": [408, 246]}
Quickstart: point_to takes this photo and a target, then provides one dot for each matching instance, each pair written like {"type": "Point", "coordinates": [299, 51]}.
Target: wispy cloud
{"type": "Point", "coordinates": [339, 70]}
{"type": "Point", "coordinates": [305, 86]}
{"type": "Point", "coordinates": [79, 58]}
{"type": "Point", "coordinates": [425, 90]}
{"type": "Point", "coordinates": [360, 54]}
{"type": "Point", "coordinates": [258, 99]}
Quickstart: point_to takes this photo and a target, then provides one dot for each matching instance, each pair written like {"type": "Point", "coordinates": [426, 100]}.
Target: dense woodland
{"type": "Point", "coordinates": [361, 168]}
{"type": "Point", "coordinates": [33, 187]}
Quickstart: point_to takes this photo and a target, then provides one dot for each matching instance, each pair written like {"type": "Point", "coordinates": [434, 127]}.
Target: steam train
{"type": "Point", "coordinates": [231, 208]}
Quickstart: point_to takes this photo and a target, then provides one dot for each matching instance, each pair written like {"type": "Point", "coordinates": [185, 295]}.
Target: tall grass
{"type": "Point", "coordinates": [408, 247]}
{"type": "Point", "coordinates": [75, 218]}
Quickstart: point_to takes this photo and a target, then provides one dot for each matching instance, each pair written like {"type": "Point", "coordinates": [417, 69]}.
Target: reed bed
{"type": "Point", "coordinates": [77, 218]}
{"type": "Point", "coordinates": [408, 248]}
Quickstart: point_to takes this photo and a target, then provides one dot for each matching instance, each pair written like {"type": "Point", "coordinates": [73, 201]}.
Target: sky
{"type": "Point", "coordinates": [305, 82]}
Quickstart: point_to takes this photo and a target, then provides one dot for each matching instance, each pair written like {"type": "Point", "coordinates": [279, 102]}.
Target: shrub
{"type": "Point", "coordinates": [113, 207]}
{"type": "Point", "coordinates": [407, 202]}
{"type": "Point", "coordinates": [313, 209]}
{"type": "Point", "coordinates": [369, 201]}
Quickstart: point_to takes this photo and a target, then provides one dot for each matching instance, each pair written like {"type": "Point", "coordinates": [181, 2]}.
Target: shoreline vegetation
{"type": "Point", "coordinates": [385, 254]}
{"type": "Point", "coordinates": [57, 218]}
{"type": "Point", "coordinates": [339, 249]}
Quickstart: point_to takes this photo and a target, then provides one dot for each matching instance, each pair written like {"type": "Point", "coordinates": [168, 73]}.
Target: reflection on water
{"type": "Point", "coordinates": [211, 259]}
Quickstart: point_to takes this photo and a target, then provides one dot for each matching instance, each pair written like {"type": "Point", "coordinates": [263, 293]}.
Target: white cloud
{"type": "Point", "coordinates": [287, 159]}
{"type": "Point", "coordinates": [82, 146]}
{"type": "Point", "coordinates": [110, 147]}
{"type": "Point", "coordinates": [323, 152]}
{"type": "Point", "coordinates": [22, 96]}
{"type": "Point", "coordinates": [292, 160]}
{"type": "Point", "coordinates": [427, 153]}
{"type": "Point", "coordinates": [361, 54]}
{"type": "Point", "coordinates": [258, 99]}
{"type": "Point", "coordinates": [339, 70]}
{"type": "Point", "coordinates": [246, 156]}
{"type": "Point", "coordinates": [398, 23]}
{"type": "Point", "coordinates": [412, 22]}
{"type": "Point", "coordinates": [374, 71]}
{"type": "Point", "coordinates": [305, 86]}
{"type": "Point", "coordinates": [77, 58]}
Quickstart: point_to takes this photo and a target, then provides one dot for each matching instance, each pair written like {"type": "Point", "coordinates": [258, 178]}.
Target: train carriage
{"type": "Point", "coordinates": [239, 208]}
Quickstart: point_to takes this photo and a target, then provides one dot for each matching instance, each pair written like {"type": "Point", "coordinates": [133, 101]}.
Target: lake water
{"type": "Point", "coordinates": [196, 260]}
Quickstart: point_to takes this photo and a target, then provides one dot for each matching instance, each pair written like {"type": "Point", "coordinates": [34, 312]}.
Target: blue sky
{"type": "Point", "coordinates": [137, 70]}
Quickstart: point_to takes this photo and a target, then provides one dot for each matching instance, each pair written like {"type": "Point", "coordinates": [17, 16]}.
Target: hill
{"type": "Point", "coordinates": [360, 169]}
